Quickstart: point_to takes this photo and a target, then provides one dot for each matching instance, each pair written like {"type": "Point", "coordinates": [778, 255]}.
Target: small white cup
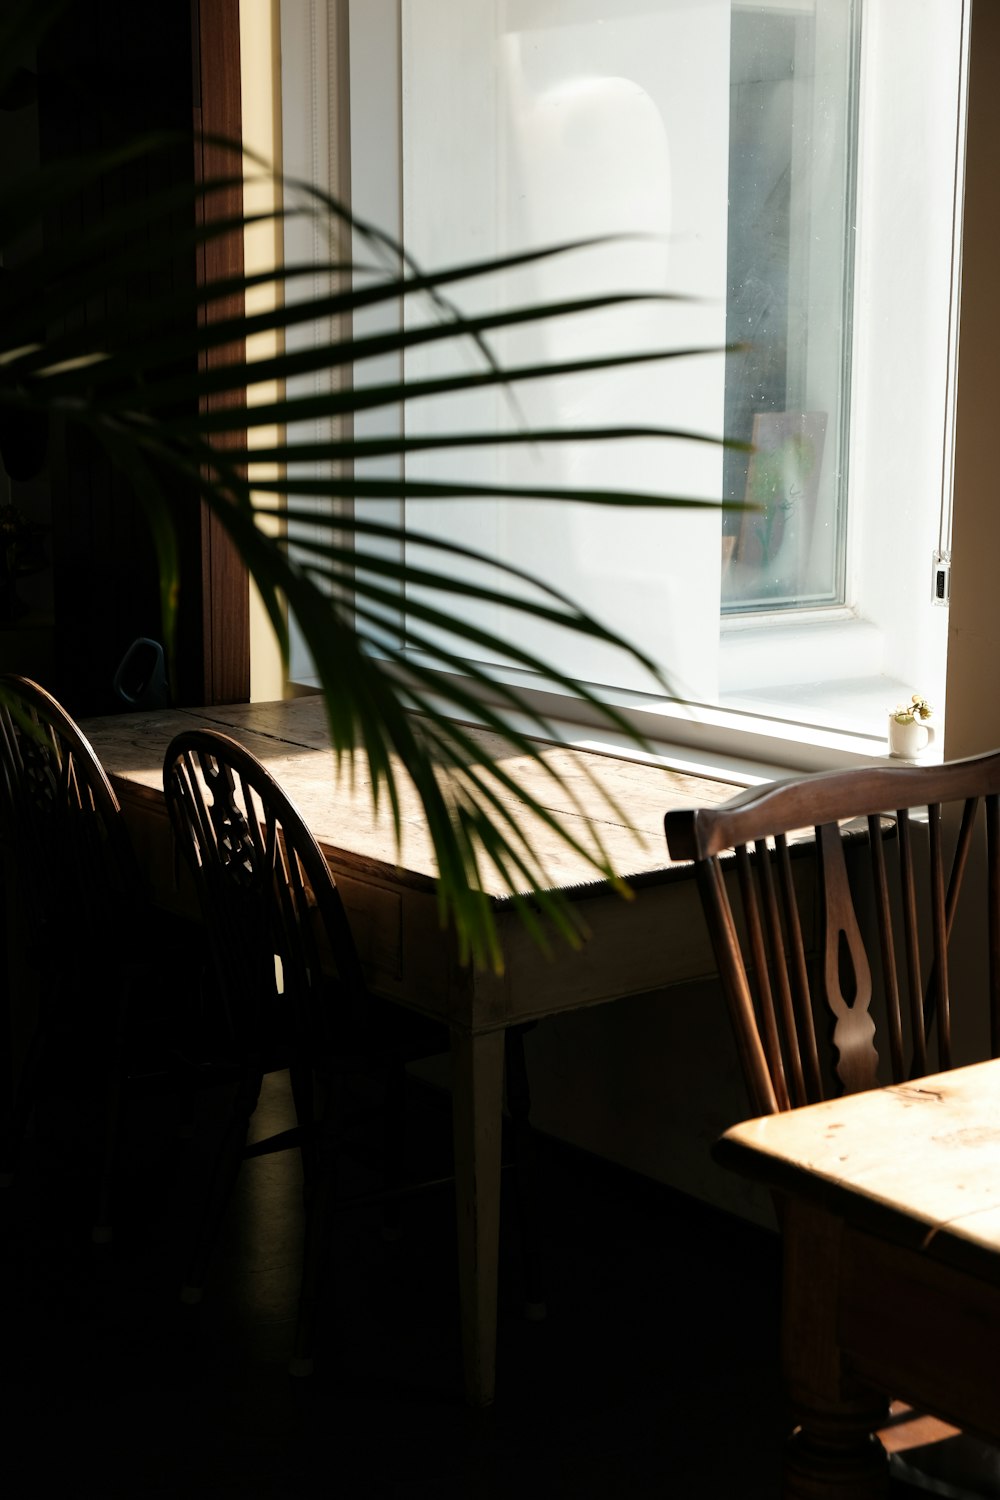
{"type": "Point", "coordinates": [907, 741]}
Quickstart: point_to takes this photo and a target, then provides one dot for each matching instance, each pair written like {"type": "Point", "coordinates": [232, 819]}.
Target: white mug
{"type": "Point", "coordinates": [908, 740]}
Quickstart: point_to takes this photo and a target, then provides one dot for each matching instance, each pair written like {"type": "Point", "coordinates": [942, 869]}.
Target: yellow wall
{"type": "Point", "coordinates": [260, 75]}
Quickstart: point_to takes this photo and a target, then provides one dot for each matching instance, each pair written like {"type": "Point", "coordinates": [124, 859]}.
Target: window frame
{"type": "Point", "coordinates": [705, 731]}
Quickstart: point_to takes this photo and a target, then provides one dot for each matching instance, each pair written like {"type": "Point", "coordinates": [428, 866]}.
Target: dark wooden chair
{"type": "Point", "coordinates": [831, 902]}
{"type": "Point", "coordinates": [808, 965]}
{"type": "Point", "coordinates": [291, 985]}
{"type": "Point", "coordinates": [82, 936]}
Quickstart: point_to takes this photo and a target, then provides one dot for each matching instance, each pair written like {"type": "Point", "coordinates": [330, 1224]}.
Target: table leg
{"type": "Point", "coordinates": [8, 1071]}
{"type": "Point", "coordinates": [477, 1099]}
{"type": "Point", "coordinates": [833, 1453]}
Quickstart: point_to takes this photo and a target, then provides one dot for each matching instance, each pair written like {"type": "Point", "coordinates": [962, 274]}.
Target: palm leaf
{"type": "Point", "coordinates": [142, 390]}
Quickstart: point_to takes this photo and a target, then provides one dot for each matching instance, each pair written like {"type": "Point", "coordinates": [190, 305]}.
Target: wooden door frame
{"type": "Point", "coordinates": [217, 110]}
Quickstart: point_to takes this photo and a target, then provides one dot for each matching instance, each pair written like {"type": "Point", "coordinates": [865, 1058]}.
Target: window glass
{"type": "Point", "coordinates": [792, 146]}
{"type": "Point", "coordinates": [773, 161]}
{"type": "Point", "coordinates": [721, 135]}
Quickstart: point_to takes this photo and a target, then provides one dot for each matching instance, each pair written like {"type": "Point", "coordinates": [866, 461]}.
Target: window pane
{"type": "Point", "coordinates": [792, 144]}
{"type": "Point", "coordinates": [527, 123]}
{"type": "Point", "coordinates": [722, 134]}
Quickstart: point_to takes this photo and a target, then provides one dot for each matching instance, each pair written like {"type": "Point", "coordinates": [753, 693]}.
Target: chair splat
{"type": "Point", "coordinates": [853, 1029]}
{"type": "Point", "coordinates": [893, 849]}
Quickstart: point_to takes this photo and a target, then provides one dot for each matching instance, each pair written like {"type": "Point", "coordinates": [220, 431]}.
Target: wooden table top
{"type": "Point", "coordinates": [620, 801]}
{"type": "Point", "coordinates": [920, 1160]}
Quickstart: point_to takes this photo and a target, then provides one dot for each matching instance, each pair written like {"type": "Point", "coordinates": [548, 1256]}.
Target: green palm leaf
{"type": "Point", "coordinates": [142, 390]}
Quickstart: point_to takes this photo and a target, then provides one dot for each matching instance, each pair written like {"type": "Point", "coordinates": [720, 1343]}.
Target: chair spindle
{"type": "Point", "coordinates": [759, 965]}
{"type": "Point", "coordinates": [780, 985]}
{"type": "Point", "coordinates": [801, 989]}
{"type": "Point", "coordinates": [887, 948]}
{"type": "Point", "coordinates": [993, 896]}
{"type": "Point", "coordinates": [939, 932]}
{"type": "Point", "coordinates": [767, 1089]}
{"type": "Point", "coordinates": [914, 985]}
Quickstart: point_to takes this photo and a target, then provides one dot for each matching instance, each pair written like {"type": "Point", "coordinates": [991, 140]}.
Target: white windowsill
{"type": "Point", "coordinates": [824, 671]}
{"type": "Point", "coordinates": [752, 738]}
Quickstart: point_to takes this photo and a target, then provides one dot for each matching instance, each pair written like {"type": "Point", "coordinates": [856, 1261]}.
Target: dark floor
{"type": "Point", "coordinates": [655, 1373]}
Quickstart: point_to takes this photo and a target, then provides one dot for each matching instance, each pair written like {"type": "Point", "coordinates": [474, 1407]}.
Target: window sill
{"type": "Point", "coordinates": [749, 744]}
{"type": "Point", "coordinates": [769, 723]}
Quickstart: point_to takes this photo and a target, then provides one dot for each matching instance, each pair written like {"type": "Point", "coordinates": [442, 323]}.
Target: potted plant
{"type": "Point", "coordinates": [909, 730]}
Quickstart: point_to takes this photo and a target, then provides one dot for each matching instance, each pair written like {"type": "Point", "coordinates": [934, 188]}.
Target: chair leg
{"type": "Point", "coordinates": [525, 1173]}
{"type": "Point", "coordinates": [102, 1231]}
{"type": "Point", "coordinates": [300, 1078]}
{"type": "Point", "coordinates": [23, 1095]}
{"type": "Point", "coordinates": [319, 1194]}
{"type": "Point", "coordinates": [25, 1049]}
{"type": "Point", "coordinates": [228, 1161]}
{"type": "Point", "coordinates": [7, 1079]}
{"type": "Point", "coordinates": [393, 1149]}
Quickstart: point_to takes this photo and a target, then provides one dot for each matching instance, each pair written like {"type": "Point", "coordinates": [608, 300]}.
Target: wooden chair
{"type": "Point", "coordinates": [804, 1012]}
{"type": "Point", "coordinates": [831, 901]}
{"type": "Point", "coordinates": [290, 980]}
{"type": "Point", "coordinates": [78, 921]}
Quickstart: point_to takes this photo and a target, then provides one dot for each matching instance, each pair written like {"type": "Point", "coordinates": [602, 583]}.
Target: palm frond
{"type": "Point", "coordinates": [144, 389]}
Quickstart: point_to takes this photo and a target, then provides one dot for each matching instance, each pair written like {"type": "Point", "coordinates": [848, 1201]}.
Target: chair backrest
{"type": "Point", "coordinates": [283, 949]}
{"type": "Point", "coordinates": [791, 950]}
{"type": "Point", "coordinates": [71, 859]}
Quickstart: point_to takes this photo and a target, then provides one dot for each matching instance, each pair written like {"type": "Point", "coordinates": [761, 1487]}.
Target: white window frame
{"type": "Point", "coordinates": [889, 618]}
{"type": "Point", "coordinates": [889, 563]}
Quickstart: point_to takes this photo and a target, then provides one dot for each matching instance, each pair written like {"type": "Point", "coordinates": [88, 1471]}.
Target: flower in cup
{"type": "Point", "coordinates": [909, 713]}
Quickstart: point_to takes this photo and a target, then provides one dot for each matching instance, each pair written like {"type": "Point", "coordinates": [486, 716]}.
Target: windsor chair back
{"type": "Point", "coordinates": [79, 919]}
{"type": "Point", "coordinates": [291, 985]}
{"type": "Point", "coordinates": [841, 983]}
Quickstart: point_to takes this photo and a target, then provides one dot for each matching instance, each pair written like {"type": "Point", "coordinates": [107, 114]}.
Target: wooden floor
{"type": "Point", "coordinates": [654, 1375]}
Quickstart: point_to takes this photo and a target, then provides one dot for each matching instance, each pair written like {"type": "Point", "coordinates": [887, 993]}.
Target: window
{"type": "Point", "coordinates": [788, 164]}
{"type": "Point", "coordinates": [789, 261]}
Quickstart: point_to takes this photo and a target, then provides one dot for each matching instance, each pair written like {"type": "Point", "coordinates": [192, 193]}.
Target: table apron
{"type": "Point", "coordinates": [921, 1330]}
{"type": "Point", "coordinates": [628, 946]}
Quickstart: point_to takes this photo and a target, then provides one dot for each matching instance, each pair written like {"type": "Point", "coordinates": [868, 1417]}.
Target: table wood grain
{"type": "Point", "coordinates": [891, 1218]}
{"type": "Point", "coordinates": [620, 802]}
{"type": "Point", "coordinates": [920, 1159]}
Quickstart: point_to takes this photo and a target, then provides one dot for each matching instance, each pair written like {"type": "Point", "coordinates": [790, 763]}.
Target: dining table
{"type": "Point", "coordinates": [890, 1209]}
{"type": "Point", "coordinates": [633, 940]}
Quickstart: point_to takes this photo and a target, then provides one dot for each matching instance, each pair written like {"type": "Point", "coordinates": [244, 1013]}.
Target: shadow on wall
{"type": "Point", "coordinates": [649, 1082]}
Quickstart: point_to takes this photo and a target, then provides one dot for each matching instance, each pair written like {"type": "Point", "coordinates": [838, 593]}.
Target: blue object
{"type": "Point", "coordinates": [141, 679]}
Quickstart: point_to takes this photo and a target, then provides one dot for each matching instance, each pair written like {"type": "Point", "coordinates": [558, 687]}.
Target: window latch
{"type": "Point", "coordinates": [941, 579]}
